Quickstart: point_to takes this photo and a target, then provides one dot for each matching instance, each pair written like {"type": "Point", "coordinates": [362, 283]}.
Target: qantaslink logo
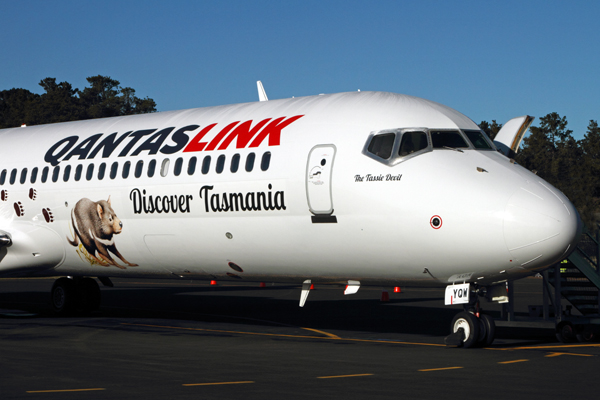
{"type": "Point", "coordinates": [190, 138]}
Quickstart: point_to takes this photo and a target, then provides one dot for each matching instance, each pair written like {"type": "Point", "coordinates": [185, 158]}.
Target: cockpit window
{"type": "Point", "coordinates": [382, 145]}
{"type": "Point", "coordinates": [412, 142]}
{"type": "Point", "coordinates": [447, 139]}
{"type": "Point", "coordinates": [478, 140]}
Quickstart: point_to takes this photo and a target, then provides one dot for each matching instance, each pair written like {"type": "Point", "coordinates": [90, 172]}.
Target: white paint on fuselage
{"type": "Point", "coordinates": [493, 221]}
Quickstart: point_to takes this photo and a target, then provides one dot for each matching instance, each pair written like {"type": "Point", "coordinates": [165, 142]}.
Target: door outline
{"type": "Point", "coordinates": [318, 179]}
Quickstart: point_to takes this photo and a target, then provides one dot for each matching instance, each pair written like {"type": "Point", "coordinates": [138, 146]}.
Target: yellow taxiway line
{"type": "Point", "coordinates": [328, 337]}
{"type": "Point", "coordinates": [512, 361]}
{"type": "Point", "coordinates": [342, 376]}
{"type": "Point", "coordinates": [439, 369]}
{"type": "Point", "coordinates": [217, 383]}
{"type": "Point", "coordinates": [64, 390]}
{"type": "Point", "coordinates": [331, 335]}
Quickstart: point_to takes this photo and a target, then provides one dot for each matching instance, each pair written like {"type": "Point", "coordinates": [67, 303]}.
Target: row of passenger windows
{"type": "Point", "coordinates": [138, 170]}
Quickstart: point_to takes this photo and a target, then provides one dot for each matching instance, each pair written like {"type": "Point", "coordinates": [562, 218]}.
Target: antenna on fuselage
{"type": "Point", "coordinates": [262, 95]}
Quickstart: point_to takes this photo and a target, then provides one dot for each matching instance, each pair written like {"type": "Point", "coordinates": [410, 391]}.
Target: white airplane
{"type": "Point", "coordinates": [354, 189]}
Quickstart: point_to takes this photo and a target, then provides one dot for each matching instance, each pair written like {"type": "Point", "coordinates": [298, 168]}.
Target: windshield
{"type": "Point", "coordinates": [448, 139]}
{"type": "Point", "coordinates": [382, 145]}
{"type": "Point", "coordinates": [412, 142]}
{"type": "Point", "coordinates": [478, 140]}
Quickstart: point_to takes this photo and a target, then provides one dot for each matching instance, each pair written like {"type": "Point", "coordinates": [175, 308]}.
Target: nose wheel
{"type": "Point", "coordinates": [468, 331]}
{"type": "Point", "coordinates": [487, 330]}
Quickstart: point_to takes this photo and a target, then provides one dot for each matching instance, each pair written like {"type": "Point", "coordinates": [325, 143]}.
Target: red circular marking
{"type": "Point", "coordinates": [431, 222]}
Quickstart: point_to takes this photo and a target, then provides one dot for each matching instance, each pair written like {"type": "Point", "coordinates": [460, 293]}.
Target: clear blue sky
{"type": "Point", "coordinates": [487, 59]}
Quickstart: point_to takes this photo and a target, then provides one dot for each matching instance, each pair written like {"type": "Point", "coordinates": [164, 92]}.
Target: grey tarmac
{"type": "Point", "coordinates": [181, 339]}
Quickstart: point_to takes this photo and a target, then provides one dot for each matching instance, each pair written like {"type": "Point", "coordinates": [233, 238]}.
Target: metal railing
{"type": "Point", "coordinates": [589, 247]}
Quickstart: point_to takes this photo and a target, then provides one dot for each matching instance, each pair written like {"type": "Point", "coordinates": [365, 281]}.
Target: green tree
{"type": "Point", "coordinates": [540, 148]}
{"type": "Point", "coordinates": [105, 98]}
{"type": "Point", "coordinates": [590, 146]}
{"type": "Point", "coordinates": [134, 105]}
{"type": "Point", "coordinates": [15, 107]}
{"type": "Point", "coordinates": [490, 129]}
{"type": "Point", "coordinates": [60, 102]}
{"type": "Point", "coordinates": [101, 99]}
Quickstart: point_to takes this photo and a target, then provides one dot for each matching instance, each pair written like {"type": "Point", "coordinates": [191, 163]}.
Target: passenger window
{"type": "Point", "coordinates": [23, 175]}
{"type": "Point", "coordinates": [67, 173]}
{"type": "Point", "coordinates": [139, 167]}
{"type": "Point", "coordinates": [192, 165]}
{"type": "Point", "coordinates": [382, 145]}
{"type": "Point", "coordinates": [78, 171]}
{"type": "Point", "coordinates": [220, 163]}
{"type": "Point", "coordinates": [412, 142]}
{"type": "Point", "coordinates": [164, 169]}
{"type": "Point", "coordinates": [206, 165]}
{"type": "Point", "coordinates": [266, 161]}
{"type": "Point", "coordinates": [235, 163]}
{"type": "Point", "coordinates": [13, 176]}
{"type": "Point", "coordinates": [250, 162]}
{"type": "Point", "coordinates": [113, 170]}
{"type": "Point", "coordinates": [126, 168]}
{"type": "Point", "coordinates": [34, 173]}
{"type": "Point", "coordinates": [3, 177]}
{"type": "Point", "coordinates": [55, 173]}
{"type": "Point", "coordinates": [90, 172]}
{"type": "Point", "coordinates": [448, 140]}
{"type": "Point", "coordinates": [151, 168]}
{"type": "Point", "coordinates": [45, 172]}
{"type": "Point", "coordinates": [178, 166]}
{"type": "Point", "coordinates": [101, 171]}
{"type": "Point", "coordinates": [478, 140]}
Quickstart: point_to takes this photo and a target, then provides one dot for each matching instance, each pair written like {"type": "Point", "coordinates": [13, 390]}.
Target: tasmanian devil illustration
{"type": "Point", "coordinates": [94, 224]}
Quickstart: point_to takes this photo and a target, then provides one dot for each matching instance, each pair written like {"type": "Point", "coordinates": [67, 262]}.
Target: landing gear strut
{"type": "Point", "coordinates": [75, 295]}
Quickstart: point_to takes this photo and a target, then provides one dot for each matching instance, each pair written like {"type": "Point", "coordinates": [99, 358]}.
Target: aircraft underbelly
{"type": "Point", "coordinates": [34, 248]}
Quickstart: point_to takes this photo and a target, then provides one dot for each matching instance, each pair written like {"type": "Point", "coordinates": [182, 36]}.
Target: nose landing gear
{"type": "Point", "coordinates": [469, 328]}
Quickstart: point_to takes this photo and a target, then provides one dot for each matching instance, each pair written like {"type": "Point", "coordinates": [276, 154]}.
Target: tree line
{"type": "Point", "coordinates": [60, 102]}
{"type": "Point", "coordinates": [572, 166]}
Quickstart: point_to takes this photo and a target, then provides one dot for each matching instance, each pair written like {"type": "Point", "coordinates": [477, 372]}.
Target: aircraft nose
{"type": "Point", "coordinates": [541, 226]}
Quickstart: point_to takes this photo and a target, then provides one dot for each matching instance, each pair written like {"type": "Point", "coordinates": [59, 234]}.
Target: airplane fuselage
{"type": "Point", "coordinates": [281, 190]}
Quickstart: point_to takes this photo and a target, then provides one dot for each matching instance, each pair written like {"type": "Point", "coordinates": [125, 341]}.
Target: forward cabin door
{"type": "Point", "coordinates": [318, 179]}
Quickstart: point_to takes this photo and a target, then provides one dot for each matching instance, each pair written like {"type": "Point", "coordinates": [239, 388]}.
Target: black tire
{"type": "Point", "coordinates": [89, 295]}
{"type": "Point", "coordinates": [585, 335]}
{"type": "Point", "coordinates": [470, 325]}
{"type": "Point", "coordinates": [565, 332]}
{"type": "Point", "coordinates": [488, 326]}
{"type": "Point", "coordinates": [63, 296]}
